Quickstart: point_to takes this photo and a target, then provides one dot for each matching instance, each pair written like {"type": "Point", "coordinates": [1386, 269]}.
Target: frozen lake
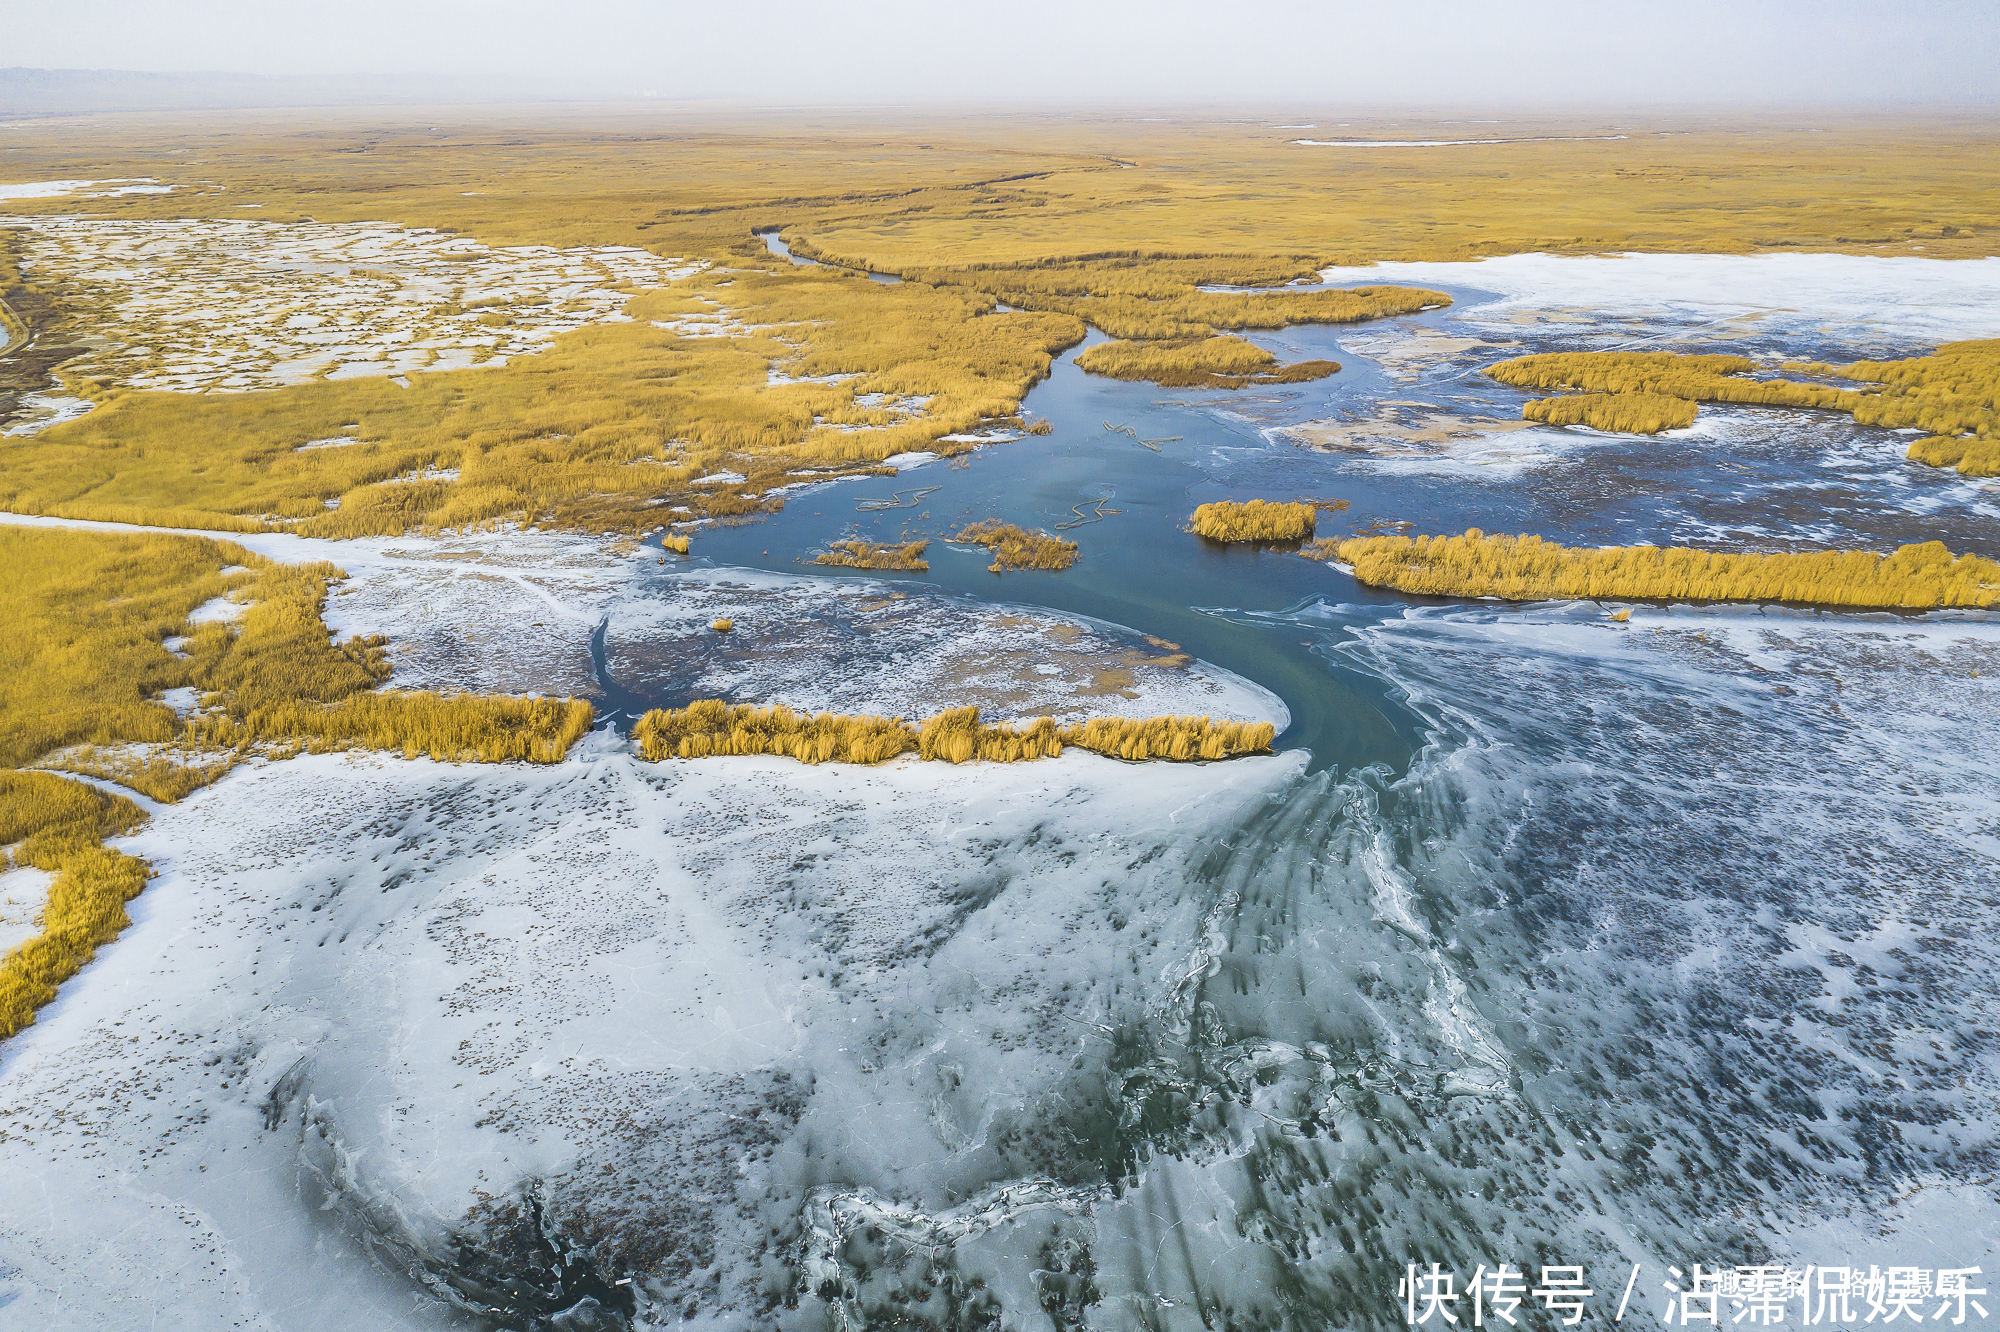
{"type": "Point", "coordinates": [1545, 940]}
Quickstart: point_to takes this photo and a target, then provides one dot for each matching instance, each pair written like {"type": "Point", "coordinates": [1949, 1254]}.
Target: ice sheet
{"type": "Point", "coordinates": [1852, 297]}
{"type": "Point", "coordinates": [373, 1004]}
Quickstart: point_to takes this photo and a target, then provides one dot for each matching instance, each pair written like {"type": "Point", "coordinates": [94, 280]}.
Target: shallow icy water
{"type": "Point", "coordinates": [1571, 942]}
{"type": "Point", "coordinates": [1409, 431]}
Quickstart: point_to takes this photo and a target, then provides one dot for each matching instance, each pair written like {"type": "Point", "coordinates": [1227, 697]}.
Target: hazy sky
{"type": "Point", "coordinates": [1309, 51]}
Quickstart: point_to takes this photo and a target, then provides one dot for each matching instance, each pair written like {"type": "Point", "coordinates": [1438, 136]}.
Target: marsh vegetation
{"type": "Point", "coordinates": [854, 553]}
{"type": "Point", "coordinates": [1255, 520]}
{"type": "Point", "coordinates": [81, 682]}
{"type": "Point", "coordinates": [1954, 394]}
{"type": "Point", "coordinates": [60, 826]}
{"type": "Point", "coordinates": [710, 728]}
{"type": "Point", "coordinates": [1527, 568]}
{"type": "Point", "coordinates": [1216, 362]}
{"type": "Point", "coordinates": [1015, 547]}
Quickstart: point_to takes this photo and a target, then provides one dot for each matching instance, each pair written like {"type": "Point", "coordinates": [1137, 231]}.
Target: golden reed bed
{"type": "Point", "coordinates": [81, 674]}
{"type": "Point", "coordinates": [710, 729]}
{"type": "Point", "coordinates": [1954, 394]}
{"type": "Point", "coordinates": [1254, 520]}
{"type": "Point", "coordinates": [1527, 568]}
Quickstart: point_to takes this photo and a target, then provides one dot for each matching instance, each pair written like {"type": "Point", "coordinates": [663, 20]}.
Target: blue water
{"type": "Point", "coordinates": [1808, 480]}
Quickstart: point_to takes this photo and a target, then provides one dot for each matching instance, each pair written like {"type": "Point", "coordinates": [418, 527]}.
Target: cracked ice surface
{"type": "Point", "coordinates": [371, 1001]}
{"type": "Point", "coordinates": [201, 306]}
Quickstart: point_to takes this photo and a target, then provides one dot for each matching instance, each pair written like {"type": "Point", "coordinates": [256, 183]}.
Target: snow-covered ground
{"type": "Point", "coordinates": [207, 305]}
{"type": "Point", "coordinates": [375, 1015]}
{"type": "Point", "coordinates": [1859, 299]}
{"type": "Point", "coordinates": [1662, 909]}
{"type": "Point", "coordinates": [515, 612]}
{"type": "Point", "coordinates": [22, 894]}
{"type": "Point", "coordinates": [83, 189]}
{"type": "Point", "coordinates": [394, 1008]}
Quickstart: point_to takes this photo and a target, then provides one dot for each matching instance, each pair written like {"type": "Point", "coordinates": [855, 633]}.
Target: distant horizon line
{"type": "Point", "coordinates": [528, 90]}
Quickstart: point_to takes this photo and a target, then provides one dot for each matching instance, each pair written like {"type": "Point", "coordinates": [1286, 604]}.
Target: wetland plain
{"type": "Point", "coordinates": [497, 834]}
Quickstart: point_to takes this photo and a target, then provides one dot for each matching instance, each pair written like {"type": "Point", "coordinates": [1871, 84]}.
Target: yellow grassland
{"type": "Point", "coordinates": [1254, 520]}
{"type": "Point", "coordinates": [616, 420]}
{"type": "Point", "coordinates": [892, 192]}
{"type": "Point", "coordinates": [858, 554]}
{"type": "Point", "coordinates": [86, 661]}
{"type": "Point", "coordinates": [1155, 297]}
{"type": "Point", "coordinates": [1017, 548]}
{"type": "Point", "coordinates": [599, 432]}
{"type": "Point", "coordinates": [87, 613]}
{"type": "Point", "coordinates": [1527, 568]}
{"type": "Point", "coordinates": [676, 543]}
{"type": "Point", "coordinates": [710, 728]}
{"type": "Point", "coordinates": [1628, 413]}
{"type": "Point", "coordinates": [1218, 362]}
{"type": "Point", "coordinates": [60, 826]}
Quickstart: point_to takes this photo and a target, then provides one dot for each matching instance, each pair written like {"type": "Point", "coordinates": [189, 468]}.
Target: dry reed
{"type": "Point", "coordinates": [710, 728]}
{"type": "Point", "coordinates": [1625, 413]}
{"type": "Point", "coordinates": [1954, 393]}
{"type": "Point", "coordinates": [61, 826]}
{"type": "Point", "coordinates": [1217, 362]}
{"type": "Point", "coordinates": [956, 735]}
{"type": "Point", "coordinates": [1527, 568]}
{"type": "Point", "coordinates": [1180, 739]}
{"type": "Point", "coordinates": [857, 554]}
{"type": "Point", "coordinates": [1254, 520]}
{"type": "Point", "coordinates": [1016, 547]}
